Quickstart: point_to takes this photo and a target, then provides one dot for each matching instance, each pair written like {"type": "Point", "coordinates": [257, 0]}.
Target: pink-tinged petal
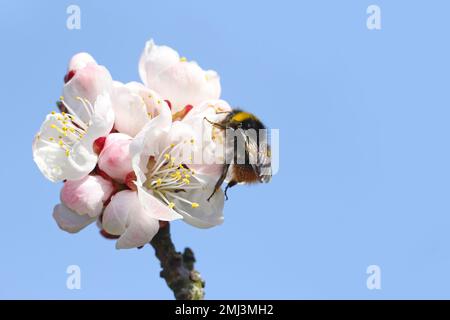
{"type": "Point", "coordinates": [115, 158]}
{"type": "Point", "coordinates": [155, 59]}
{"type": "Point", "coordinates": [175, 79]}
{"type": "Point", "coordinates": [69, 220]}
{"type": "Point", "coordinates": [186, 83]}
{"type": "Point", "coordinates": [87, 83]}
{"type": "Point", "coordinates": [80, 60]}
{"type": "Point", "coordinates": [152, 100]}
{"type": "Point", "coordinates": [87, 195]}
{"type": "Point", "coordinates": [115, 218]}
{"type": "Point", "coordinates": [126, 217]}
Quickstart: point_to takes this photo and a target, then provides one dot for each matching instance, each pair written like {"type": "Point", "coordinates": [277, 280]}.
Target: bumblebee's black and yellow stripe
{"type": "Point", "coordinates": [246, 172]}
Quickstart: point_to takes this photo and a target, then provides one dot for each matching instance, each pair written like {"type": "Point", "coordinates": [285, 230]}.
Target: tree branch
{"type": "Point", "coordinates": [178, 269]}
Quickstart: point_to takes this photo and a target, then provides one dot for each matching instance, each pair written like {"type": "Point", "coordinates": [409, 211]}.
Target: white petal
{"type": "Point", "coordinates": [210, 158]}
{"type": "Point", "coordinates": [69, 220]}
{"type": "Point", "coordinates": [82, 155]}
{"type": "Point", "coordinates": [52, 160]}
{"type": "Point", "coordinates": [115, 218]}
{"type": "Point", "coordinates": [155, 208]}
{"type": "Point", "coordinates": [102, 121]}
{"type": "Point", "coordinates": [155, 59]}
{"type": "Point", "coordinates": [209, 213]}
{"type": "Point", "coordinates": [182, 136]}
{"type": "Point", "coordinates": [147, 142]}
{"type": "Point", "coordinates": [140, 226]}
{"type": "Point", "coordinates": [129, 108]}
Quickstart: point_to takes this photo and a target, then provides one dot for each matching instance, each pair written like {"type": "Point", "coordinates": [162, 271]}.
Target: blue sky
{"type": "Point", "coordinates": [364, 166]}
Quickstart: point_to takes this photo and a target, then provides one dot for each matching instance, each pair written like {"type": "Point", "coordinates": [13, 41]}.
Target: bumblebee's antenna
{"type": "Point", "coordinates": [215, 124]}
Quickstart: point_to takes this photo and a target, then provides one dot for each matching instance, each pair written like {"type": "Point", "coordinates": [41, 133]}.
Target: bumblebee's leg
{"type": "Point", "coordinates": [217, 125]}
{"type": "Point", "coordinates": [230, 184]}
{"type": "Point", "coordinates": [221, 179]}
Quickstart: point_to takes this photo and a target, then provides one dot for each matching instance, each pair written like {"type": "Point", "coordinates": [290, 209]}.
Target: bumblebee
{"type": "Point", "coordinates": [247, 161]}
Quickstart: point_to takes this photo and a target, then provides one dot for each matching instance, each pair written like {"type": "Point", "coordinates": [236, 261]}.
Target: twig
{"type": "Point", "coordinates": [178, 269]}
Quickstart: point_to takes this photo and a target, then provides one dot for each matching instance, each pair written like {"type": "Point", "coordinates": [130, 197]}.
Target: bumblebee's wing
{"type": "Point", "coordinates": [261, 156]}
{"type": "Point", "coordinates": [264, 168]}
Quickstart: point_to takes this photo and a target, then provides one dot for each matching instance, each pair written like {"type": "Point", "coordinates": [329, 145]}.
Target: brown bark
{"type": "Point", "coordinates": [178, 269]}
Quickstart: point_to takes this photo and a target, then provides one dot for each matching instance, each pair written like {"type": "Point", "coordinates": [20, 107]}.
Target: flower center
{"type": "Point", "coordinates": [169, 179]}
{"type": "Point", "coordinates": [69, 128]}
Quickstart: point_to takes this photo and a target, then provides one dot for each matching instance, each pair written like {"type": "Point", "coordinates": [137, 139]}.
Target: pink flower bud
{"type": "Point", "coordinates": [86, 195]}
{"type": "Point", "coordinates": [79, 61]}
{"type": "Point", "coordinates": [115, 159]}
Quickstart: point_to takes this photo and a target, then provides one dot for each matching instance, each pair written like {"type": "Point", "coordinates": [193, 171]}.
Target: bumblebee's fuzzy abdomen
{"type": "Point", "coordinates": [244, 173]}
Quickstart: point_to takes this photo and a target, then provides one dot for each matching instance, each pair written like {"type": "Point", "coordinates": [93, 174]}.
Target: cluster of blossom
{"type": "Point", "coordinates": [120, 148]}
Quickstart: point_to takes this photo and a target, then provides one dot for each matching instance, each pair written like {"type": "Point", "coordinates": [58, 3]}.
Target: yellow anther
{"type": "Point", "coordinates": [171, 205]}
{"type": "Point", "coordinates": [67, 153]}
{"type": "Point", "coordinates": [63, 113]}
{"type": "Point", "coordinates": [60, 142]}
{"type": "Point", "coordinates": [158, 182]}
{"type": "Point", "coordinates": [186, 181]}
{"type": "Point", "coordinates": [172, 145]}
{"type": "Point", "coordinates": [53, 112]}
{"type": "Point", "coordinates": [51, 139]}
{"type": "Point", "coordinates": [159, 101]}
{"type": "Point", "coordinates": [192, 141]}
{"type": "Point", "coordinates": [195, 205]}
{"type": "Point", "coordinates": [61, 98]}
{"type": "Point", "coordinates": [167, 156]}
{"type": "Point", "coordinates": [183, 59]}
{"type": "Point", "coordinates": [53, 126]}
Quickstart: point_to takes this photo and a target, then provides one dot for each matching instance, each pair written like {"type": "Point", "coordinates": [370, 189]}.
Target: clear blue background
{"type": "Point", "coordinates": [364, 123]}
